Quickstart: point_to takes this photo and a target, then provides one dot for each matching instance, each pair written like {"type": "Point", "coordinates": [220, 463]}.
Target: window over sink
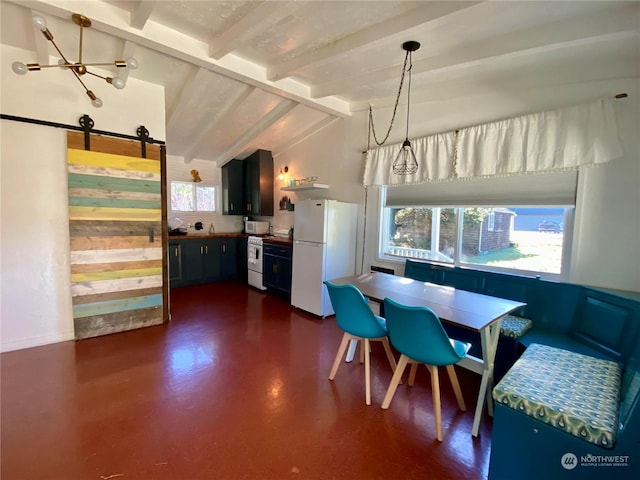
{"type": "Point", "coordinates": [192, 197]}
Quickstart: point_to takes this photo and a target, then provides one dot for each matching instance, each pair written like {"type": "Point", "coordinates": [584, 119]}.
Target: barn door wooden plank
{"type": "Point", "coordinates": [117, 235]}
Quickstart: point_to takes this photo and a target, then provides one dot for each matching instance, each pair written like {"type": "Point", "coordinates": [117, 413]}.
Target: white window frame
{"type": "Point", "coordinates": [491, 221]}
{"type": "Point", "coordinates": [383, 233]}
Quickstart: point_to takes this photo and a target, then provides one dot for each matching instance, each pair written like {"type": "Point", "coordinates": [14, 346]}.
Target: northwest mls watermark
{"type": "Point", "coordinates": [569, 461]}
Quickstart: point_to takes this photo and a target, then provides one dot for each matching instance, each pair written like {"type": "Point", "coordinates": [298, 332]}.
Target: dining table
{"type": "Point", "coordinates": [474, 311]}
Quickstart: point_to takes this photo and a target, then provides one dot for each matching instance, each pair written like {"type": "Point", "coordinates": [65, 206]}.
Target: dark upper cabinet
{"type": "Point", "coordinates": [233, 188]}
{"type": "Point", "coordinates": [258, 183]}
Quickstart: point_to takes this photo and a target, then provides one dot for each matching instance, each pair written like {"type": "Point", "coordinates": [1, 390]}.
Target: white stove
{"type": "Point", "coordinates": [254, 262]}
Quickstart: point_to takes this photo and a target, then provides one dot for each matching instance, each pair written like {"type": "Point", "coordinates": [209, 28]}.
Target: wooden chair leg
{"type": "Point", "coordinates": [456, 387]}
{"type": "Point", "coordinates": [367, 370]}
{"type": "Point", "coordinates": [435, 391]}
{"type": "Point", "coordinates": [395, 380]}
{"type": "Point", "coordinates": [387, 350]}
{"type": "Point", "coordinates": [361, 345]}
{"type": "Point", "coordinates": [412, 373]}
{"type": "Point", "coordinates": [336, 362]}
{"type": "Point", "coordinates": [390, 357]}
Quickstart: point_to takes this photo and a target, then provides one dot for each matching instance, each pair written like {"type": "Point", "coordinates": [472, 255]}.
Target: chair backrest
{"type": "Point", "coordinates": [353, 313]}
{"type": "Point", "coordinates": [417, 333]}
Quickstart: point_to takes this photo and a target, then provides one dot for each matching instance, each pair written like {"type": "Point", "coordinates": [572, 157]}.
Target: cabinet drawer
{"type": "Point", "coordinates": [279, 250]}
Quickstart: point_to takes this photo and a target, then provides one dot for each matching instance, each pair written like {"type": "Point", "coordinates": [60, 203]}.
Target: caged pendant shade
{"type": "Point", "coordinates": [405, 162]}
{"type": "Point", "coordinates": [78, 68]}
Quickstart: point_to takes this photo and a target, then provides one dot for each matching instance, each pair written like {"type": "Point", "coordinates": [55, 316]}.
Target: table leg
{"type": "Point", "coordinates": [489, 337]}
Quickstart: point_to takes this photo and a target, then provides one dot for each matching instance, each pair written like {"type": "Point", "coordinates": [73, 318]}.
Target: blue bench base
{"type": "Point", "coordinates": [525, 448]}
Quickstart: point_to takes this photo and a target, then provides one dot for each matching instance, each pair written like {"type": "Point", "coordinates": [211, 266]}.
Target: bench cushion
{"type": "Point", "coordinates": [570, 391]}
{"type": "Point", "coordinates": [514, 327]}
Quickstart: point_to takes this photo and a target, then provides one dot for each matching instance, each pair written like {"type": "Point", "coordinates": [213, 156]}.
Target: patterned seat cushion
{"type": "Point", "coordinates": [514, 327]}
{"type": "Point", "coordinates": [570, 391]}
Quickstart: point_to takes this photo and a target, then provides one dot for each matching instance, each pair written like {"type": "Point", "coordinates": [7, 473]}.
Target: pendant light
{"type": "Point", "coordinates": [78, 68]}
{"type": "Point", "coordinates": [405, 162]}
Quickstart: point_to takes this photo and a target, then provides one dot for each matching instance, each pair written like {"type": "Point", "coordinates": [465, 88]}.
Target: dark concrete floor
{"type": "Point", "coordinates": [235, 387]}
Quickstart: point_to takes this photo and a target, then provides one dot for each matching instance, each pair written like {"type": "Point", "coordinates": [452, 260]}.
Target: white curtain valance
{"type": "Point", "coordinates": [568, 138]}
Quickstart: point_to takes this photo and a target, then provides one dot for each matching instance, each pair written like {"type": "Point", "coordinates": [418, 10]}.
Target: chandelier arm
{"type": "Point", "coordinates": [79, 79]}
{"type": "Point", "coordinates": [96, 75]}
{"type": "Point", "coordinates": [115, 63]}
{"type": "Point", "coordinates": [58, 50]}
{"type": "Point", "coordinates": [54, 65]}
{"type": "Point", "coordinates": [395, 107]}
{"type": "Point", "coordinates": [80, 48]}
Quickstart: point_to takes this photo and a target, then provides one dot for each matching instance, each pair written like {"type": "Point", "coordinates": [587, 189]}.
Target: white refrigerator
{"type": "Point", "coordinates": [324, 247]}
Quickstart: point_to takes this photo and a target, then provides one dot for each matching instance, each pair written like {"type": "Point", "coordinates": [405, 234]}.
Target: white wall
{"type": "Point", "coordinates": [607, 229]}
{"type": "Point", "coordinates": [35, 291]}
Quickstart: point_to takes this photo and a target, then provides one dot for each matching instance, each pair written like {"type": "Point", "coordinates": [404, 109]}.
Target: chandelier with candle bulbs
{"type": "Point", "coordinates": [78, 68]}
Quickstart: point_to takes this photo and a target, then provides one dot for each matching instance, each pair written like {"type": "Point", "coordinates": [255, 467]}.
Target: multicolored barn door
{"type": "Point", "coordinates": [116, 214]}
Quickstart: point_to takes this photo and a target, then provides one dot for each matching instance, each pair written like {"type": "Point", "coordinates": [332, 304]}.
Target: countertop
{"type": "Point", "coordinates": [266, 238]}
{"type": "Point", "coordinates": [208, 235]}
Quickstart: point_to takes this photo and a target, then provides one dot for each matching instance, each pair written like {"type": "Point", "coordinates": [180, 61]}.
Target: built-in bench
{"type": "Point", "coordinates": [560, 414]}
{"type": "Point", "coordinates": [597, 322]}
{"type": "Point", "coordinates": [581, 320]}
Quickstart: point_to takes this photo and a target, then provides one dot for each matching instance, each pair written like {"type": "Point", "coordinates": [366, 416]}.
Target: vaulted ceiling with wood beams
{"type": "Point", "coordinates": [243, 75]}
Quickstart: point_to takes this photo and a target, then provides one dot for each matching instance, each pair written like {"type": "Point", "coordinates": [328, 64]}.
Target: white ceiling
{"type": "Point", "coordinates": [242, 75]}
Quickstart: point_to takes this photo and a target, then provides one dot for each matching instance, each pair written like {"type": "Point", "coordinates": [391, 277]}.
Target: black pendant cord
{"type": "Point", "coordinates": [408, 93]}
{"type": "Point", "coordinates": [372, 128]}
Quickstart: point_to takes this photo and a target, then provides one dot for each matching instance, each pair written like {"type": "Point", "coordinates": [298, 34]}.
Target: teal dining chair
{"type": "Point", "coordinates": [416, 332]}
{"type": "Point", "coordinates": [355, 318]}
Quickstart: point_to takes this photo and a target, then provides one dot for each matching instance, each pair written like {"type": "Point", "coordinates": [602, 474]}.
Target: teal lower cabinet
{"type": "Point", "coordinates": [176, 260]}
{"type": "Point", "coordinates": [276, 274]}
{"type": "Point", "coordinates": [201, 265]}
{"type": "Point", "coordinates": [227, 253]}
{"type": "Point", "coordinates": [194, 261]}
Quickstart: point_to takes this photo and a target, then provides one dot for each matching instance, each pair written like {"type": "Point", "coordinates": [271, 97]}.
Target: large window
{"type": "Point", "coordinates": [192, 197]}
{"type": "Point", "coordinates": [495, 238]}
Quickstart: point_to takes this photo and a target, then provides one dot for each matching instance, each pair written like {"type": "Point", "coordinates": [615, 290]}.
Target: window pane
{"type": "Point", "coordinates": [517, 238]}
{"type": "Point", "coordinates": [182, 197]}
{"type": "Point", "coordinates": [205, 199]}
{"type": "Point", "coordinates": [424, 233]}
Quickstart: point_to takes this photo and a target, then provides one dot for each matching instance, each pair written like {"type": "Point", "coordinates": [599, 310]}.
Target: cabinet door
{"type": "Point", "coordinates": [212, 270]}
{"type": "Point", "coordinates": [270, 271]}
{"type": "Point", "coordinates": [229, 261]}
{"type": "Point", "coordinates": [284, 279]}
{"type": "Point", "coordinates": [233, 188]}
{"type": "Point", "coordinates": [258, 178]}
{"type": "Point", "coordinates": [175, 264]}
{"type": "Point", "coordinates": [194, 266]}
